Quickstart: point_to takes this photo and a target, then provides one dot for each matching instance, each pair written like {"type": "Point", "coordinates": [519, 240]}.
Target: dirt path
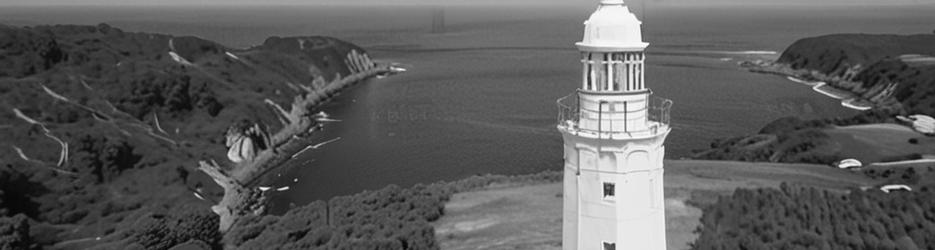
{"type": "Point", "coordinates": [530, 217]}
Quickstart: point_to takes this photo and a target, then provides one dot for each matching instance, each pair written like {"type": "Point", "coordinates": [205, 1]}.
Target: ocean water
{"type": "Point", "coordinates": [480, 97]}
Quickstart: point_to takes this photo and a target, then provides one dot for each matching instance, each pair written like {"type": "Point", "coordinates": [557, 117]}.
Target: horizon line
{"type": "Point", "coordinates": [481, 3]}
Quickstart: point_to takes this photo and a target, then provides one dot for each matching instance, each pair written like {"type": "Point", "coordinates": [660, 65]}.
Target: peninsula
{"type": "Point", "coordinates": [103, 131]}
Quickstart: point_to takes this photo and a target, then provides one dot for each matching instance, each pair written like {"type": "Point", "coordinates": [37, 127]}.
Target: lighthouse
{"type": "Point", "coordinates": [613, 131]}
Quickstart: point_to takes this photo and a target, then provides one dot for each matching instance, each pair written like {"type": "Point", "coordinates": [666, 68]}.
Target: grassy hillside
{"type": "Point", "coordinates": [102, 128]}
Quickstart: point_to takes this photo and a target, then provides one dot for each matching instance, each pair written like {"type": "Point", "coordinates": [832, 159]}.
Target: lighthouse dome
{"type": "Point", "coordinates": [612, 28]}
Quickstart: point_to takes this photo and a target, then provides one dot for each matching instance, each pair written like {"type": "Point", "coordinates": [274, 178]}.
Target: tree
{"type": "Point", "coordinates": [163, 231]}
{"type": "Point", "coordinates": [14, 233]}
{"type": "Point", "coordinates": [797, 217]}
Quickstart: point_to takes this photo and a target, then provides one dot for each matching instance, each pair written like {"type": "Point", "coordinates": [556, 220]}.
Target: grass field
{"type": "Point", "coordinates": [877, 142]}
{"type": "Point", "coordinates": [529, 217]}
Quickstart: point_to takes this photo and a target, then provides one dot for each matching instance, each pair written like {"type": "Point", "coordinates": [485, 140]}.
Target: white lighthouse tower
{"type": "Point", "coordinates": [614, 133]}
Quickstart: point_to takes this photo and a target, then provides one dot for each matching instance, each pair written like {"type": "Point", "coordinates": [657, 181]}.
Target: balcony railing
{"type": "Point", "coordinates": [569, 118]}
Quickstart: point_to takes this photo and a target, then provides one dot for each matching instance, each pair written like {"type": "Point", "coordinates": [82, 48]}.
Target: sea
{"type": "Point", "coordinates": [479, 93]}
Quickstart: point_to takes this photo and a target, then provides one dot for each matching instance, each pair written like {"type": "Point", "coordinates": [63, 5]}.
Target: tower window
{"type": "Point", "coordinates": [608, 190]}
{"type": "Point", "coordinates": [609, 246]}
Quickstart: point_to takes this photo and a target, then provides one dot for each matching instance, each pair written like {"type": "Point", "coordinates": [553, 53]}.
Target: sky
{"type": "Point", "coordinates": [445, 2]}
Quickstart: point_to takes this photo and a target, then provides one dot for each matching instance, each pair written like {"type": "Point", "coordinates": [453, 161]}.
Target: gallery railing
{"type": "Point", "coordinates": [569, 117]}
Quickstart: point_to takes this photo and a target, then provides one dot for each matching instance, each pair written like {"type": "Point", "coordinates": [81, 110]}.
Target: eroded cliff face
{"type": "Point", "coordinates": [878, 68]}
{"type": "Point", "coordinates": [102, 129]}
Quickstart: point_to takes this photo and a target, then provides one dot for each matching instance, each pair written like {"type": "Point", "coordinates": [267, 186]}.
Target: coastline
{"type": "Point", "coordinates": [829, 91]}
{"type": "Point", "coordinates": [128, 154]}
{"type": "Point", "coordinates": [287, 143]}
{"type": "Point", "coordinates": [852, 98]}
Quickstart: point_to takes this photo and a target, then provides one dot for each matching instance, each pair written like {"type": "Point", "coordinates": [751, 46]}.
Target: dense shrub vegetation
{"type": "Point", "coordinates": [14, 233]}
{"type": "Point", "coordinates": [171, 94]}
{"type": "Point", "coordinates": [834, 53]}
{"type": "Point", "coordinates": [390, 218]}
{"type": "Point", "coordinates": [809, 218]}
{"type": "Point", "coordinates": [16, 192]}
{"type": "Point", "coordinates": [135, 121]}
{"type": "Point", "coordinates": [100, 159]}
{"type": "Point", "coordinates": [916, 83]}
{"type": "Point", "coordinates": [163, 231]}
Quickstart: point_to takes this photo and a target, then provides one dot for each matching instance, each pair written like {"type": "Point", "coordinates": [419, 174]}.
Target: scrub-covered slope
{"type": "Point", "coordinates": [875, 67]}
{"type": "Point", "coordinates": [102, 129]}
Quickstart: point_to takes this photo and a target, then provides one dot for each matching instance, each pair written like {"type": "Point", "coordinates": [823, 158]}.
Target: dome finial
{"type": "Point", "coordinates": [612, 27]}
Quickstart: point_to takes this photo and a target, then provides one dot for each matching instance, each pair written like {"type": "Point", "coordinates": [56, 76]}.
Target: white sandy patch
{"type": "Point", "coordinates": [876, 126]}
{"type": "Point", "coordinates": [824, 89]}
{"type": "Point", "coordinates": [179, 58]}
{"type": "Point", "coordinates": [231, 55]}
{"type": "Point", "coordinates": [809, 83]}
{"type": "Point", "coordinates": [466, 226]}
{"type": "Point", "coordinates": [916, 59]}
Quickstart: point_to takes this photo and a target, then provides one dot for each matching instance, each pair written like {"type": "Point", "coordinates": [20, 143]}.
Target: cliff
{"type": "Point", "coordinates": [874, 67]}
{"type": "Point", "coordinates": [103, 128]}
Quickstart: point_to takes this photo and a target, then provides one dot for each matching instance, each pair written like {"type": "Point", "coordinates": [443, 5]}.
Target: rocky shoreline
{"type": "Point", "coordinates": [884, 76]}
{"type": "Point", "coordinates": [104, 129]}
{"type": "Point", "coordinates": [851, 93]}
